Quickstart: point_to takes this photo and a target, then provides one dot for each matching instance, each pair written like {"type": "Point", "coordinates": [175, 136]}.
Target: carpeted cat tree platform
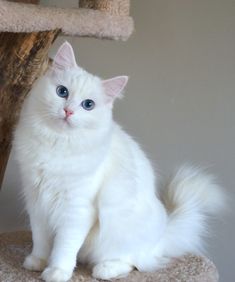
{"type": "Point", "coordinates": [16, 245]}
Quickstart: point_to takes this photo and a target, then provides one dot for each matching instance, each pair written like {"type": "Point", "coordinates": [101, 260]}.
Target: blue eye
{"type": "Point", "coordinates": [88, 104]}
{"type": "Point", "coordinates": [62, 91]}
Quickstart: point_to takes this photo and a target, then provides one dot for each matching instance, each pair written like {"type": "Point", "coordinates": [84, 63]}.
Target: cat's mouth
{"type": "Point", "coordinates": [66, 122]}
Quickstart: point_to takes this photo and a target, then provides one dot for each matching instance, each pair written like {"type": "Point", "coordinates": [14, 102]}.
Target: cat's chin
{"type": "Point", "coordinates": [61, 125]}
{"type": "Point", "coordinates": [66, 124]}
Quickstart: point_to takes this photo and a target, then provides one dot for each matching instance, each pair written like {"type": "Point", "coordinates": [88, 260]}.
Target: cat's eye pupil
{"type": "Point", "coordinates": [88, 104]}
{"type": "Point", "coordinates": [62, 91]}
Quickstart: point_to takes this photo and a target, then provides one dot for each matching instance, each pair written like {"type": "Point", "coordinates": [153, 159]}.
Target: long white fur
{"type": "Point", "coordinates": [91, 192]}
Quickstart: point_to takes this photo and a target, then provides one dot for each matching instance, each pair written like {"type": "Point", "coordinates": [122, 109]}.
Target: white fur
{"type": "Point", "coordinates": [90, 190]}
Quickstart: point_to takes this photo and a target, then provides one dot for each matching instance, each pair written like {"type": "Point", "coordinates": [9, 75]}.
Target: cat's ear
{"type": "Point", "coordinates": [64, 57]}
{"type": "Point", "coordinates": [113, 87]}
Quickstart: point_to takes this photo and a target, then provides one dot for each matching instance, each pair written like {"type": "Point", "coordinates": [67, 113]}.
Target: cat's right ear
{"type": "Point", "coordinates": [113, 87]}
{"type": "Point", "coordinates": [64, 58]}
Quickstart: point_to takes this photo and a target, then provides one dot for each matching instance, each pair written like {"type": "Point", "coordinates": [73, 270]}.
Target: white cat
{"type": "Point", "coordinates": [89, 189]}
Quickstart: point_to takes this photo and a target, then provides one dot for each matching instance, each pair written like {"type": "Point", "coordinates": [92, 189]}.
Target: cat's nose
{"type": "Point", "coordinates": [68, 112]}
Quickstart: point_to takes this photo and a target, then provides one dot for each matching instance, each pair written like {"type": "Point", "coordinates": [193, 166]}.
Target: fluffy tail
{"type": "Point", "coordinates": [189, 199]}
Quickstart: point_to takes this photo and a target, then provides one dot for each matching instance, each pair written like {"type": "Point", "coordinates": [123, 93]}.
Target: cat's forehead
{"type": "Point", "coordinates": [77, 81]}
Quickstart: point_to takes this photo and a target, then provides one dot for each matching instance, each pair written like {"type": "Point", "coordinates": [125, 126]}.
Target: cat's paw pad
{"type": "Point", "coordinates": [54, 274]}
{"type": "Point", "coordinates": [34, 263]}
{"type": "Point", "coordinates": [111, 269]}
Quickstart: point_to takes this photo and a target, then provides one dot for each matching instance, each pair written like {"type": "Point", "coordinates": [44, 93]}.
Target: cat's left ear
{"type": "Point", "coordinates": [113, 87]}
{"type": "Point", "coordinates": [64, 57]}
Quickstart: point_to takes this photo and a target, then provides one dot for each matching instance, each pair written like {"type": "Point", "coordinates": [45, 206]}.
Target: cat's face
{"type": "Point", "coordinates": [69, 98]}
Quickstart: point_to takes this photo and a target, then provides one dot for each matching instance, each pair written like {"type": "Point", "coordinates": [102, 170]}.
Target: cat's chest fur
{"type": "Point", "coordinates": [60, 156]}
{"type": "Point", "coordinates": [59, 172]}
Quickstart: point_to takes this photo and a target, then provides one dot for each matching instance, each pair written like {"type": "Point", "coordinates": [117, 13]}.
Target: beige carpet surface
{"type": "Point", "coordinates": [18, 17]}
{"type": "Point", "coordinates": [15, 246]}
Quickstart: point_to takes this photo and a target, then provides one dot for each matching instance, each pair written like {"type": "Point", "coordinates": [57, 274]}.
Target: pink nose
{"type": "Point", "coordinates": [68, 112]}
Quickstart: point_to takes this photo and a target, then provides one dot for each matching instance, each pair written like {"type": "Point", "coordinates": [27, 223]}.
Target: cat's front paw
{"type": "Point", "coordinates": [34, 263]}
{"type": "Point", "coordinates": [54, 274]}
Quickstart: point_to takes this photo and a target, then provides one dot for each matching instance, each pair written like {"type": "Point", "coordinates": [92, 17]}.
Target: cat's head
{"type": "Point", "coordinates": [69, 98]}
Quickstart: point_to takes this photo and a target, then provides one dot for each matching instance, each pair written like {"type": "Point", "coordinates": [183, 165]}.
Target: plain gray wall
{"type": "Point", "coordinates": [179, 103]}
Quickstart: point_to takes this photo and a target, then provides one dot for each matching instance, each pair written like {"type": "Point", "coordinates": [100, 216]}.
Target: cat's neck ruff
{"type": "Point", "coordinates": [82, 139]}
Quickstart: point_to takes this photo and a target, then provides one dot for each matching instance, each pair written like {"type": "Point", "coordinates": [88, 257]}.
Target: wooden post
{"type": "Point", "coordinates": [22, 57]}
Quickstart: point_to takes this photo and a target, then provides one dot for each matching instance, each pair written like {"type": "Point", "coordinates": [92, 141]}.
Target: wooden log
{"type": "Point", "coordinates": [22, 58]}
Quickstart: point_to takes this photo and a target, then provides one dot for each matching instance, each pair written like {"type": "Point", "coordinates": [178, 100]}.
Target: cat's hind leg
{"type": "Point", "coordinates": [111, 269]}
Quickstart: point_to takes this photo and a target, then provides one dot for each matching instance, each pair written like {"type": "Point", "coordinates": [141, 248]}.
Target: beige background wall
{"type": "Point", "coordinates": [180, 99]}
